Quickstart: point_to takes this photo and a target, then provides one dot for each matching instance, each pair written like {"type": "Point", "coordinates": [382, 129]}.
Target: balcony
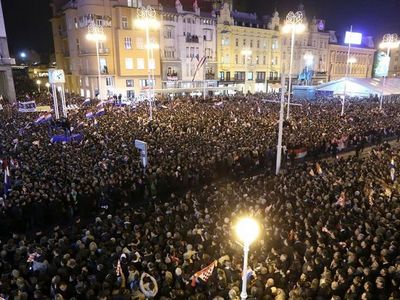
{"type": "Point", "coordinates": [260, 80]}
{"type": "Point", "coordinates": [210, 76]}
{"type": "Point", "coordinates": [192, 38]}
{"type": "Point", "coordinates": [274, 79]}
{"type": "Point", "coordinates": [7, 61]}
{"type": "Point", "coordinates": [102, 51]}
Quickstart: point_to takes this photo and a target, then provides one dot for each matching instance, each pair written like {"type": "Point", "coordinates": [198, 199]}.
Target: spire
{"type": "Point", "coordinates": [178, 6]}
{"type": "Point", "coordinates": [196, 7]}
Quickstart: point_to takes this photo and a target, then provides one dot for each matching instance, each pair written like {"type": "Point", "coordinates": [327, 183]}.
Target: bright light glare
{"type": "Point", "coordinates": [246, 52]}
{"type": "Point", "coordinates": [309, 58]}
{"type": "Point", "coordinates": [147, 23]}
{"type": "Point", "coordinates": [38, 82]}
{"type": "Point", "coordinates": [47, 84]}
{"type": "Point", "coordinates": [389, 45]}
{"type": "Point", "coordinates": [23, 54]}
{"type": "Point", "coordinates": [247, 230]}
{"type": "Point", "coordinates": [152, 46]}
{"type": "Point", "coordinates": [297, 28]}
{"type": "Point", "coordinates": [352, 60]}
{"type": "Point", "coordinates": [99, 37]}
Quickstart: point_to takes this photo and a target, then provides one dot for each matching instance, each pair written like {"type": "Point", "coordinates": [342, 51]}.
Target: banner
{"type": "Point", "coordinates": [29, 106]}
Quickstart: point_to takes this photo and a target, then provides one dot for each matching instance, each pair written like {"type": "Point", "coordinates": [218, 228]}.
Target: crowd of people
{"type": "Point", "coordinates": [121, 231]}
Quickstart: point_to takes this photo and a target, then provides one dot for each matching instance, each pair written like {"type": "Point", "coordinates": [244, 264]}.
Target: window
{"type": "Point", "coordinates": [239, 75]}
{"type": "Point", "coordinates": [236, 59]}
{"type": "Point", "coordinates": [139, 43]}
{"type": "Point", "coordinates": [251, 43]}
{"type": "Point", "coordinates": [169, 32]}
{"type": "Point", "coordinates": [208, 52]}
{"type": "Point", "coordinates": [128, 43]}
{"type": "Point", "coordinates": [129, 83]}
{"type": "Point", "coordinates": [140, 63]}
{"type": "Point", "coordinates": [274, 44]}
{"type": "Point", "coordinates": [134, 3]}
{"type": "Point", "coordinates": [152, 64]}
{"type": "Point", "coordinates": [77, 45]}
{"type": "Point", "coordinates": [146, 82]}
{"type": "Point", "coordinates": [260, 76]}
{"type": "Point", "coordinates": [208, 34]}
{"type": "Point", "coordinates": [109, 81]}
{"type": "Point", "coordinates": [264, 60]}
{"type": "Point", "coordinates": [130, 94]}
{"type": "Point", "coordinates": [169, 52]}
{"type": "Point", "coordinates": [124, 22]}
{"type": "Point", "coordinates": [76, 23]}
{"type": "Point", "coordinates": [129, 63]}
{"type": "Point", "coordinates": [222, 75]}
{"type": "Point", "coordinates": [103, 65]}
{"type": "Point", "coordinates": [249, 75]}
{"type": "Point", "coordinates": [237, 42]}
{"type": "Point", "coordinates": [257, 60]}
{"type": "Point", "coordinates": [244, 42]}
{"type": "Point", "coordinates": [258, 43]}
{"type": "Point", "coordinates": [225, 41]}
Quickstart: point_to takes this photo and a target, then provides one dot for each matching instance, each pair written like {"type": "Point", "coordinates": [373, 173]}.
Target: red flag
{"type": "Point", "coordinates": [204, 274]}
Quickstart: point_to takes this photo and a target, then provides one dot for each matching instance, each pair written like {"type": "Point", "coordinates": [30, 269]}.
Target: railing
{"type": "Point", "coordinates": [210, 76]}
{"type": "Point", "coordinates": [104, 51]}
{"type": "Point", "coordinates": [7, 61]}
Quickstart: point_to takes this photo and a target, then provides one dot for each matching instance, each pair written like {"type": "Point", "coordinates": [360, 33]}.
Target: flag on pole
{"type": "Point", "coordinates": [118, 271]}
{"type": "Point", "coordinates": [100, 112]}
{"type": "Point", "coordinates": [392, 169]}
{"type": "Point", "coordinates": [89, 115]}
{"type": "Point", "coordinates": [204, 274]}
{"type": "Point", "coordinates": [199, 65]}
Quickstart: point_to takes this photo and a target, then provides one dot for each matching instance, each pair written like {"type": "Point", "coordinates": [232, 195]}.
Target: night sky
{"type": "Point", "coordinates": [28, 26]}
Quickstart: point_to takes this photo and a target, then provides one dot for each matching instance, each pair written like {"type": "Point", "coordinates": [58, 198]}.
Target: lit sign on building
{"type": "Point", "coordinates": [382, 64]}
{"type": "Point", "coordinates": [353, 38]}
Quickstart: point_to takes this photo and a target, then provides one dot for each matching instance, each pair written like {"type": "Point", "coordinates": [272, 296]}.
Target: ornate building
{"type": "Point", "coordinates": [122, 56]}
{"type": "Point", "coordinates": [248, 50]}
{"type": "Point", "coordinates": [188, 47]}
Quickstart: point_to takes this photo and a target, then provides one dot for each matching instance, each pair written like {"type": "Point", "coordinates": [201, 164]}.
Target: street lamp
{"type": "Point", "coordinates": [293, 24]}
{"type": "Point", "coordinates": [390, 41]}
{"type": "Point", "coordinates": [96, 34]}
{"type": "Point", "coordinates": [246, 53]}
{"type": "Point", "coordinates": [48, 86]}
{"type": "Point", "coordinates": [38, 82]}
{"type": "Point", "coordinates": [247, 230]}
{"type": "Point", "coordinates": [309, 60]}
{"type": "Point", "coordinates": [147, 20]}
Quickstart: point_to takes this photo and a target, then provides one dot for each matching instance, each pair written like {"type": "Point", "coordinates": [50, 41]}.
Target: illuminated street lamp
{"type": "Point", "coordinates": [390, 41]}
{"type": "Point", "coordinates": [48, 86]}
{"type": "Point", "coordinates": [96, 34]}
{"type": "Point", "coordinates": [147, 20]}
{"type": "Point", "coordinates": [38, 82]}
{"type": "Point", "coordinates": [293, 24]}
{"type": "Point", "coordinates": [309, 60]}
{"type": "Point", "coordinates": [246, 53]}
{"type": "Point", "coordinates": [352, 60]}
{"type": "Point", "coordinates": [247, 230]}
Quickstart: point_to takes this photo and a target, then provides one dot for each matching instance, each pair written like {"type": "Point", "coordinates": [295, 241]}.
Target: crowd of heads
{"type": "Point", "coordinates": [120, 231]}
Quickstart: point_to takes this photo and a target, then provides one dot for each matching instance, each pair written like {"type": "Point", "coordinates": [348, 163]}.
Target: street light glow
{"type": "Point", "coordinates": [246, 52]}
{"type": "Point", "coordinates": [22, 54]}
{"type": "Point", "coordinates": [247, 230]}
{"type": "Point", "coordinates": [95, 33]}
{"type": "Point", "coordinates": [294, 23]}
{"type": "Point", "coordinates": [152, 46]}
{"type": "Point", "coordinates": [352, 60]}
{"type": "Point", "coordinates": [309, 58]}
{"type": "Point", "coordinates": [147, 18]}
{"type": "Point", "coordinates": [390, 41]}
{"type": "Point", "coordinates": [38, 82]}
{"type": "Point", "coordinates": [47, 84]}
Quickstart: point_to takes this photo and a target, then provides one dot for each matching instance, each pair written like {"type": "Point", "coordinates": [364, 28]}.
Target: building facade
{"type": "Point", "coordinates": [188, 47]}
{"type": "Point", "coordinates": [362, 58]}
{"type": "Point", "coordinates": [7, 89]}
{"type": "Point", "coordinates": [394, 65]}
{"type": "Point", "coordinates": [248, 51]}
{"type": "Point", "coordinates": [124, 63]}
{"type": "Point", "coordinates": [310, 51]}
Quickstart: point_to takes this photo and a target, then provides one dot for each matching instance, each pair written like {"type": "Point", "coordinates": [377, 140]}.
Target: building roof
{"type": "Point", "coordinates": [362, 86]}
{"type": "Point", "coordinates": [169, 5]}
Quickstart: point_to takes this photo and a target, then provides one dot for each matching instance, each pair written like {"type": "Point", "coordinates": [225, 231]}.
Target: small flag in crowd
{"type": "Point", "coordinates": [319, 169]}
{"type": "Point", "coordinates": [203, 274]}
{"type": "Point", "coordinates": [86, 102]}
{"type": "Point", "coordinates": [32, 256]}
{"type": "Point", "coordinates": [7, 181]}
{"type": "Point", "coordinates": [43, 119]}
{"type": "Point", "coordinates": [118, 271]}
{"type": "Point", "coordinates": [342, 200]}
{"type": "Point", "coordinates": [249, 273]}
{"type": "Point", "coordinates": [89, 115]}
{"type": "Point", "coordinates": [392, 169]}
{"type": "Point", "coordinates": [100, 112]}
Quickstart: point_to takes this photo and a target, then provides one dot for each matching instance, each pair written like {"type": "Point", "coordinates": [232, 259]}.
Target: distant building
{"type": "Point", "coordinates": [187, 38]}
{"type": "Point", "coordinates": [7, 89]}
{"type": "Point", "coordinates": [123, 59]}
{"type": "Point", "coordinates": [362, 55]}
{"type": "Point", "coordinates": [260, 36]}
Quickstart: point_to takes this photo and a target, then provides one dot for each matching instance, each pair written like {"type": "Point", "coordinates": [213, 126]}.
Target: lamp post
{"type": "Point", "coordinates": [293, 24]}
{"type": "Point", "coordinates": [147, 20]}
{"type": "Point", "coordinates": [309, 59]}
{"type": "Point", "coordinates": [96, 34]}
{"type": "Point", "coordinates": [390, 41]}
{"type": "Point", "coordinates": [246, 53]}
{"type": "Point", "coordinates": [247, 231]}
{"type": "Point", "coordinates": [352, 60]}
{"type": "Point", "coordinates": [38, 82]}
{"type": "Point", "coordinates": [48, 87]}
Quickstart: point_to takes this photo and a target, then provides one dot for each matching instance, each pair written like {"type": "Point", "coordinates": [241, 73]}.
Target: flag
{"type": "Point", "coordinates": [86, 102]}
{"type": "Point", "coordinates": [312, 173]}
{"type": "Point", "coordinates": [7, 181]}
{"type": "Point", "coordinates": [118, 271]}
{"type": "Point", "coordinates": [43, 119]}
{"type": "Point", "coordinates": [342, 200]}
{"type": "Point", "coordinates": [100, 112]}
{"type": "Point", "coordinates": [203, 274]}
{"type": "Point", "coordinates": [249, 273]}
{"type": "Point", "coordinates": [89, 115]}
{"type": "Point", "coordinates": [319, 169]}
{"type": "Point", "coordinates": [199, 65]}
{"type": "Point", "coordinates": [392, 169]}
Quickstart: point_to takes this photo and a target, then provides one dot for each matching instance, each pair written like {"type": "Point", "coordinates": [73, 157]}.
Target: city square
{"type": "Point", "coordinates": [199, 149]}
